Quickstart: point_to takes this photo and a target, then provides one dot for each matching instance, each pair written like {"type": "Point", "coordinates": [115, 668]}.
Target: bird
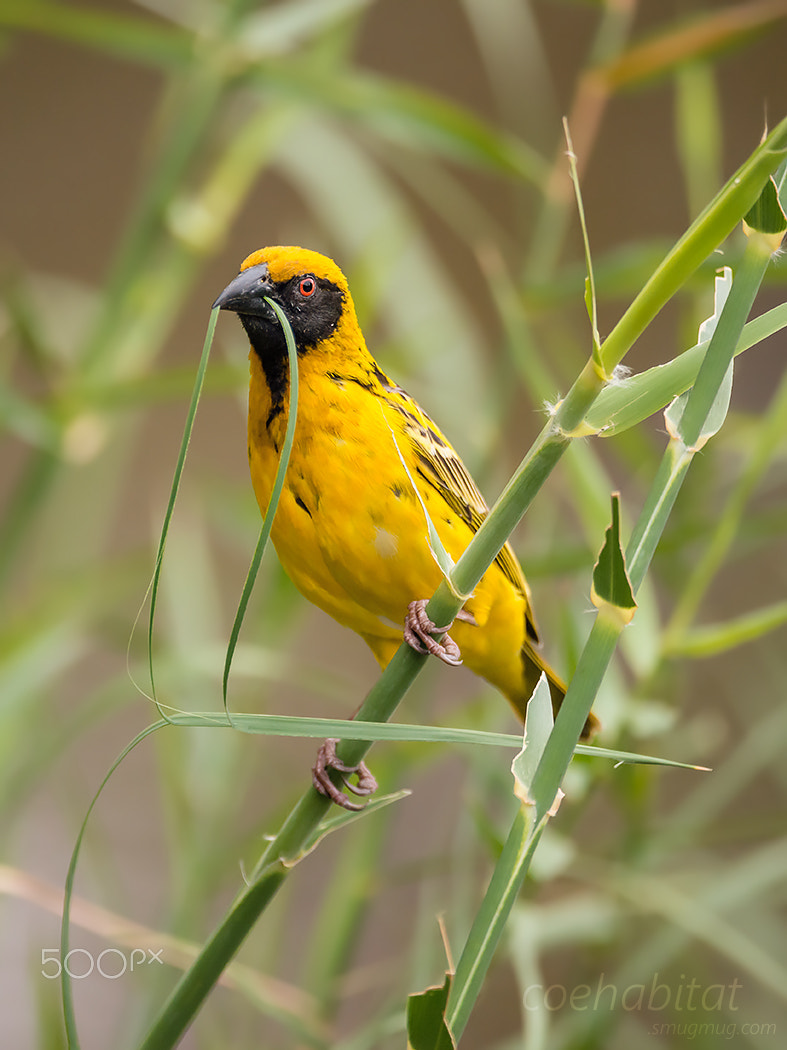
{"type": "Point", "coordinates": [366, 466]}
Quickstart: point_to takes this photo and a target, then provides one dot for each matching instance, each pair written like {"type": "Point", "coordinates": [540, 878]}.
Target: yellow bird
{"type": "Point", "coordinates": [350, 529]}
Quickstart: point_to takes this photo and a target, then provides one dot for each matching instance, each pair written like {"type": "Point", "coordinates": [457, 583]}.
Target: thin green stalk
{"type": "Point", "coordinates": [682, 448]}
{"type": "Point", "coordinates": [491, 919]}
{"type": "Point", "coordinates": [704, 235]}
{"type": "Point", "coordinates": [342, 914]}
{"type": "Point", "coordinates": [525, 833]}
{"type": "Point", "coordinates": [190, 994]}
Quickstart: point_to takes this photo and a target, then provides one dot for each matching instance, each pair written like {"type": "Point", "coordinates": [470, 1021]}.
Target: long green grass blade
{"type": "Point", "coordinates": [173, 495]}
{"type": "Point", "coordinates": [356, 729]}
{"type": "Point", "coordinates": [704, 235]}
{"type": "Point", "coordinates": [591, 299]}
{"type": "Point", "coordinates": [278, 485]}
{"type": "Point", "coordinates": [492, 916]}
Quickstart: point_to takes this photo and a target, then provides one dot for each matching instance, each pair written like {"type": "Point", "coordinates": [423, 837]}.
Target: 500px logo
{"type": "Point", "coordinates": [110, 963]}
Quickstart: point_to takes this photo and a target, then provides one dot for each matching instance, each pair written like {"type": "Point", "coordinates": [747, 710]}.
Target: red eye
{"type": "Point", "coordinates": [307, 286]}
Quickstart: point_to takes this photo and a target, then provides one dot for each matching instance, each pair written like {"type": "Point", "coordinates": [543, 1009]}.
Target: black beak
{"type": "Point", "coordinates": [246, 294]}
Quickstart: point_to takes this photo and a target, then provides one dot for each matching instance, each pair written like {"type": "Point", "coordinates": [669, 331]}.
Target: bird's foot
{"type": "Point", "coordinates": [327, 759]}
{"type": "Point", "coordinates": [419, 633]}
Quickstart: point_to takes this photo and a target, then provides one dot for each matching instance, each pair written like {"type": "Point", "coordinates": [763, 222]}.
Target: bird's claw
{"type": "Point", "coordinates": [327, 759]}
{"type": "Point", "coordinates": [419, 633]}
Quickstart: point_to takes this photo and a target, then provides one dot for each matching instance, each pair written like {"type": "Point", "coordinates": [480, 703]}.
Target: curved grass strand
{"type": "Point", "coordinates": [173, 495]}
{"type": "Point", "coordinates": [69, 1017]}
{"type": "Point", "coordinates": [278, 484]}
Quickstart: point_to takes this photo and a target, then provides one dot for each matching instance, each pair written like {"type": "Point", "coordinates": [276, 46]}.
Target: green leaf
{"type": "Point", "coordinates": [673, 416]}
{"type": "Point", "coordinates": [426, 1027]}
{"type": "Point", "coordinates": [718, 411]}
{"type": "Point", "coordinates": [721, 292]}
{"type": "Point", "coordinates": [767, 214]}
{"type": "Point", "coordinates": [630, 758]}
{"type": "Point", "coordinates": [611, 586]}
{"type": "Point", "coordinates": [356, 729]}
{"type": "Point", "coordinates": [340, 818]}
{"type": "Point", "coordinates": [539, 721]}
{"type": "Point", "coordinates": [715, 417]}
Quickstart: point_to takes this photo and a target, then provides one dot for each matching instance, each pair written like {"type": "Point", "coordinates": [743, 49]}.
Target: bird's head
{"type": "Point", "coordinates": [310, 288]}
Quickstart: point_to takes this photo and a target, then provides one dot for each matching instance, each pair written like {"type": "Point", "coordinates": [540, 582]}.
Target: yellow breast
{"type": "Point", "coordinates": [351, 532]}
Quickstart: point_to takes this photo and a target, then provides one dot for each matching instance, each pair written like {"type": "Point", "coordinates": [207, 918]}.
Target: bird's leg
{"type": "Point", "coordinates": [419, 633]}
{"type": "Point", "coordinates": [327, 759]}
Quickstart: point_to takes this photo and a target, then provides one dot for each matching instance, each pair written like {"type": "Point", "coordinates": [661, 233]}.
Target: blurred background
{"type": "Point", "coordinates": [147, 149]}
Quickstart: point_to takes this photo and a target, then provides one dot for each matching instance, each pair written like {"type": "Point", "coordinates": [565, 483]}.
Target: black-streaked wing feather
{"type": "Point", "coordinates": [440, 466]}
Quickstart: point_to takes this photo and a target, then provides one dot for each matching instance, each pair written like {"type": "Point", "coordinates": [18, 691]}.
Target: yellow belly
{"type": "Point", "coordinates": [352, 535]}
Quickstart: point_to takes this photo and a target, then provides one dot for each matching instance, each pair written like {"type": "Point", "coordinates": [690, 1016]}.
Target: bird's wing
{"type": "Point", "coordinates": [440, 466]}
